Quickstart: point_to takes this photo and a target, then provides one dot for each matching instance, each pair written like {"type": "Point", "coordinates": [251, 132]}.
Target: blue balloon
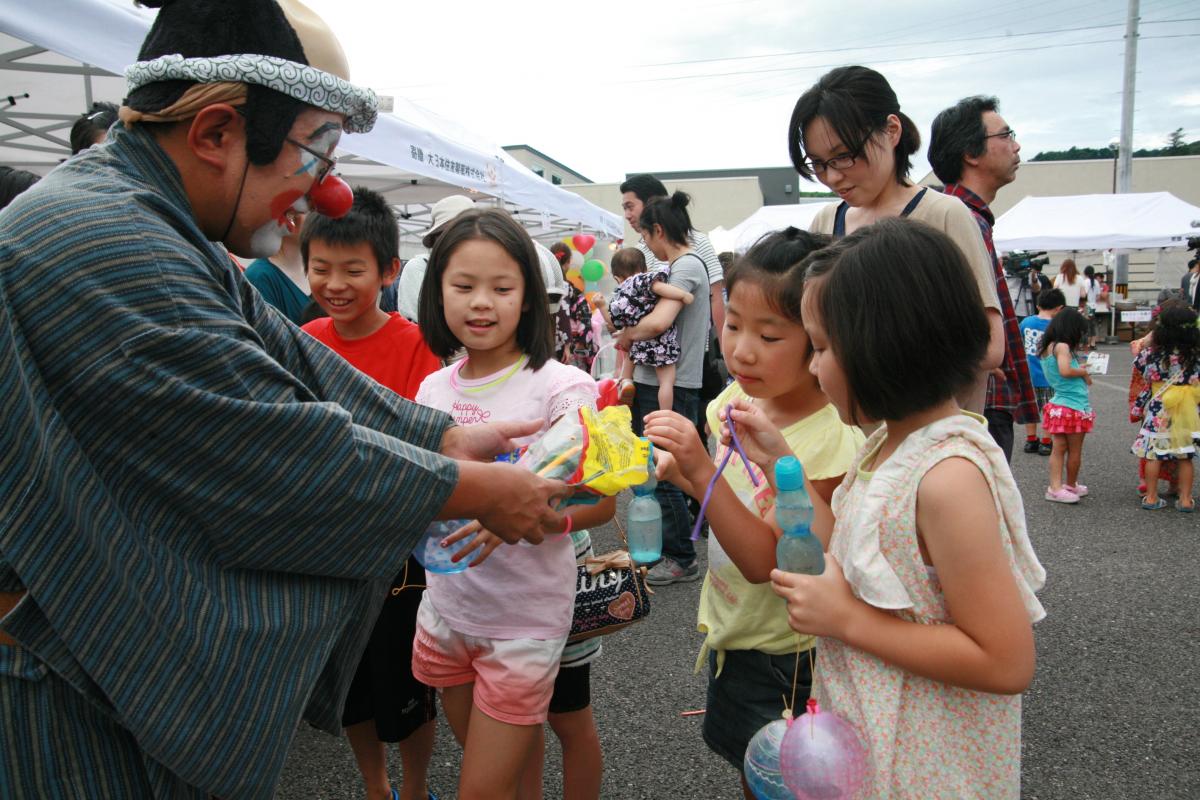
{"type": "Point", "coordinates": [761, 766]}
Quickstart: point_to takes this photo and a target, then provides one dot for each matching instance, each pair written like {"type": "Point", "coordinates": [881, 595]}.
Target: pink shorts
{"type": "Point", "coordinates": [514, 678]}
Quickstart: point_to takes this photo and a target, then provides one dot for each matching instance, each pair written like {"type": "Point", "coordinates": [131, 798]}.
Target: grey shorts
{"type": "Point", "coordinates": [747, 695]}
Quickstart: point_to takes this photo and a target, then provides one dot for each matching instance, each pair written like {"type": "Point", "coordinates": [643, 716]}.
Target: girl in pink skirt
{"type": "Point", "coordinates": [1068, 417]}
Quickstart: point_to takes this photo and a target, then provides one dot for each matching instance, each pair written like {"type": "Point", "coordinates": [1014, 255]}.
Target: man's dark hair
{"type": "Point", "coordinates": [1050, 299]}
{"type": "Point", "coordinates": [535, 331]}
{"type": "Point", "coordinates": [206, 28]}
{"type": "Point", "coordinates": [369, 220]}
{"type": "Point", "coordinates": [645, 187]}
{"type": "Point", "coordinates": [13, 182]}
{"type": "Point", "coordinates": [958, 132]}
{"type": "Point", "coordinates": [873, 291]}
{"type": "Point", "coordinates": [92, 124]}
{"type": "Point", "coordinates": [672, 214]}
{"type": "Point", "coordinates": [855, 102]}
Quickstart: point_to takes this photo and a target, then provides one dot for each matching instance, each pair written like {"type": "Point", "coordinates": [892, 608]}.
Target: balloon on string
{"type": "Point", "coordinates": [823, 757]}
{"type": "Point", "coordinates": [592, 271]}
{"type": "Point", "coordinates": [761, 765]}
{"type": "Point", "coordinates": [583, 242]}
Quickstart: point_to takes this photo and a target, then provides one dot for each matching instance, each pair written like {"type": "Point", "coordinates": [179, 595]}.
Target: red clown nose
{"type": "Point", "coordinates": [331, 197]}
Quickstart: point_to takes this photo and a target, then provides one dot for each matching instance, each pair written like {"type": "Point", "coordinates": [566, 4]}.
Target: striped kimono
{"type": "Point", "coordinates": [202, 504]}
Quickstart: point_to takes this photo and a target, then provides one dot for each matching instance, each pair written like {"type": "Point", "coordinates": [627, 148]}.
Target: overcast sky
{"type": "Point", "coordinates": [654, 85]}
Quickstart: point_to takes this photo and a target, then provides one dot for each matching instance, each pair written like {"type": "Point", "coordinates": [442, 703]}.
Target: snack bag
{"type": "Point", "coordinates": [595, 452]}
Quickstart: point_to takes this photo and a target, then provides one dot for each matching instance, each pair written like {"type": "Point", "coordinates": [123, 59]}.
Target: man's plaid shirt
{"type": "Point", "coordinates": [1015, 394]}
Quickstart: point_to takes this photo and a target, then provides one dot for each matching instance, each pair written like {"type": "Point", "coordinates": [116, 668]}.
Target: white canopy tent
{"type": "Point", "coordinates": [66, 53]}
{"type": "Point", "coordinates": [742, 236]}
{"type": "Point", "coordinates": [1090, 222]}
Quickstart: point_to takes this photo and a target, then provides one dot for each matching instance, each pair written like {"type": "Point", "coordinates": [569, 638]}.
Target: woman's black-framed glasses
{"type": "Point", "coordinates": [1007, 133]}
{"type": "Point", "coordinates": [840, 163]}
{"type": "Point", "coordinates": [327, 163]}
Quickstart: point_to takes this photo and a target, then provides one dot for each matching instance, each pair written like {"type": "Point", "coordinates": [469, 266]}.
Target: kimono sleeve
{"type": "Point", "coordinates": [291, 463]}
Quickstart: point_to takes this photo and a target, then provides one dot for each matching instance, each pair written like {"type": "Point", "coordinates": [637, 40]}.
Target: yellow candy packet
{"type": "Point", "coordinates": [592, 451]}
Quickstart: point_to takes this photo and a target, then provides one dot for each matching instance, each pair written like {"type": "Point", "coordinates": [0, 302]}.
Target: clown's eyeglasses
{"type": "Point", "coordinates": [327, 163]}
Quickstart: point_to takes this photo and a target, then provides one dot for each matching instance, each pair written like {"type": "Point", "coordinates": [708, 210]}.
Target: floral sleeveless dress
{"type": "Point", "coordinates": [926, 739]}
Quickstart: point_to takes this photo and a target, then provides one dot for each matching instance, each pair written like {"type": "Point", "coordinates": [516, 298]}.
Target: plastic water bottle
{"type": "Point", "coordinates": [798, 550]}
{"type": "Point", "coordinates": [643, 521]}
{"type": "Point", "coordinates": [433, 557]}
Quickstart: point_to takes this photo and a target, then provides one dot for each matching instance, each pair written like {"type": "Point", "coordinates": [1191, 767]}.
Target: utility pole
{"type": "Point", "coordinates": [1125, 154]}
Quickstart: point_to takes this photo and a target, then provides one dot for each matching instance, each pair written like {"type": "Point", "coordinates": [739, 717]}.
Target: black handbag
{"type": "Point", "coordinates": [610, 594]}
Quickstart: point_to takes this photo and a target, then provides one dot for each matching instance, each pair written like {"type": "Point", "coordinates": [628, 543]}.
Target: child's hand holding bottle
{"type": "Point", "coordinates": [818, 605]}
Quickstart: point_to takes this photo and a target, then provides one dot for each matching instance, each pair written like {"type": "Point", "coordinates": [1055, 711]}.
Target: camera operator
{"type": "Point", "coordinates": [1190, 282]}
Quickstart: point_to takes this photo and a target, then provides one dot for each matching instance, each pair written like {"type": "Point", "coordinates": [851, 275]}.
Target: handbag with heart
{"type": "Point", "coordinates": [610, 594]}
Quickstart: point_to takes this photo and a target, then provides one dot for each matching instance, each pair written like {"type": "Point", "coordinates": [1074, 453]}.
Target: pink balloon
{"type": "Point", "coordinates": [583, 242]}
{"type": "Point", "coordinates": [822, 757]}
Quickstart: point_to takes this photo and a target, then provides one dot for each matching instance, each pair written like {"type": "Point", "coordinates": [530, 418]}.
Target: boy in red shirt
{"type": "Point", "coordinates": [348, 262]}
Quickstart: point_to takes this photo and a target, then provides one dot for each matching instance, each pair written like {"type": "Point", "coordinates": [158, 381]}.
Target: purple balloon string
{"type": "Point", "coordinates": [721, 468]}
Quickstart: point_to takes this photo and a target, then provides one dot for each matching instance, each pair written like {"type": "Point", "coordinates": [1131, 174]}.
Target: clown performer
{"type": "Point", "coordinates": [202, 507]}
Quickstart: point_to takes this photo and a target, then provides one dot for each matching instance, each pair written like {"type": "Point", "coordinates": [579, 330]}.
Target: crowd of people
{"type": "Point", "coordinates": [214, 478]}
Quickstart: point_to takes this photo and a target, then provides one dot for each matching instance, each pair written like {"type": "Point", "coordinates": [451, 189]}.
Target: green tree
{"type": "Point", "coordinates": [1175, 140]}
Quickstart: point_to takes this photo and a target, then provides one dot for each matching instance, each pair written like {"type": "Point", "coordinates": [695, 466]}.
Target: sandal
{"type": "Point", "coordinates": [1179, 506]}
{"type": "Point", "coordinates": [1155, 506]}
{"type": "Point", "coordinates": [625, 392]}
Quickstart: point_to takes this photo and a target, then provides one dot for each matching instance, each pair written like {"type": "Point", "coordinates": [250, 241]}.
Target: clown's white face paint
{"type": "Point", "coordinates": [266, 241]}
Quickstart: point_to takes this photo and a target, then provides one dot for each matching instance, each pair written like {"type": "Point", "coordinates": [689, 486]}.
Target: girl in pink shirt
{"type": "Point", "coordinates": [491, 638]}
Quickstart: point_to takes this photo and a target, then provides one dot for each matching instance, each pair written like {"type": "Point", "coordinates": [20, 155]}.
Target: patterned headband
{"type": "Point", "coordinates": [299, 81]}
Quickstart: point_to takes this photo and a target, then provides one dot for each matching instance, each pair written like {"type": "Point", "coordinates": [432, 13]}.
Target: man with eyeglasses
{"type": "Point", "coordinates": [202, 506]}
{"type": "Point", "coordinates": [974, 152]}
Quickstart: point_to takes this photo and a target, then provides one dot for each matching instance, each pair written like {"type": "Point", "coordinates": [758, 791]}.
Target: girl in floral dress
{"type": "Point", "coordinates": [926, 605]}
{"type": "Point", "coordinates": [1167, 407]}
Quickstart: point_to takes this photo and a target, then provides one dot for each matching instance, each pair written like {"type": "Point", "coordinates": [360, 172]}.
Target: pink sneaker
{"type": "Point", "coordinates": [1062, 495]}
{"type": "Point", "coordinates": [1079, 490]}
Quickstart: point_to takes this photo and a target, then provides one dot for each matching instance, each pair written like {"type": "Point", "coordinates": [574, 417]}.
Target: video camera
{"type": "Point", "coordinates": [1018, 264]}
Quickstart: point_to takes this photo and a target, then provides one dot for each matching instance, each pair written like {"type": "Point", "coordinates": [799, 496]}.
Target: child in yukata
{"type": "Point", "coordinates": [636, 297]}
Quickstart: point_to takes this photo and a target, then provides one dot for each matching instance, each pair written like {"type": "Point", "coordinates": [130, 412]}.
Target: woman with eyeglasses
{"type": "Point", "coordinates": [849, 133]}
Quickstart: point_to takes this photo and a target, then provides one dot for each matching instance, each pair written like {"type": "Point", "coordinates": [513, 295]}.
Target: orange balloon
{"type": "Point", "coordinates": [575, 278]}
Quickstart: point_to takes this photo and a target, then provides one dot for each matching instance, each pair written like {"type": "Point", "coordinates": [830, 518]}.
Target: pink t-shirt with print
{"type": "Point", "coordinates": [522, 591]}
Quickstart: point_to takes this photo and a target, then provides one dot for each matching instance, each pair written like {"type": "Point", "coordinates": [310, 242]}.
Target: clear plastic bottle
{"type": "Point", "coordinates": [643, 520]}
{"type": "Point", "coordinates": [797, 550]}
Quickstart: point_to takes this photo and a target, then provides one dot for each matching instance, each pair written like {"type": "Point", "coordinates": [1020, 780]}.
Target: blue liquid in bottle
{"type": "Point", "coordinates": [433, 557]}
{"type": "Point", "coordinates": [643, 521]}
{"type": "Point", "coordinates": [797, 550]}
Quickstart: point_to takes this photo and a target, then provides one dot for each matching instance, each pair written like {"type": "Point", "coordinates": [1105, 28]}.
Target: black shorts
{"type": "Point", "coordinates": [572, 690]}
{"type": "Point", "coordinates": [747, 695]}
{"type": "Point", "coordinates": [384, 688]}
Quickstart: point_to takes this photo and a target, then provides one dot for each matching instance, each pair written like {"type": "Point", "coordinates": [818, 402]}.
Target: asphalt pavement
{"type": "Point", "coordinates": [1112, 712]}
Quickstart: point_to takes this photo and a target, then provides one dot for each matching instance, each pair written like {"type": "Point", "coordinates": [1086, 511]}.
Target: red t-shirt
{"type": "Point", "coordinates": [395, 355]}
